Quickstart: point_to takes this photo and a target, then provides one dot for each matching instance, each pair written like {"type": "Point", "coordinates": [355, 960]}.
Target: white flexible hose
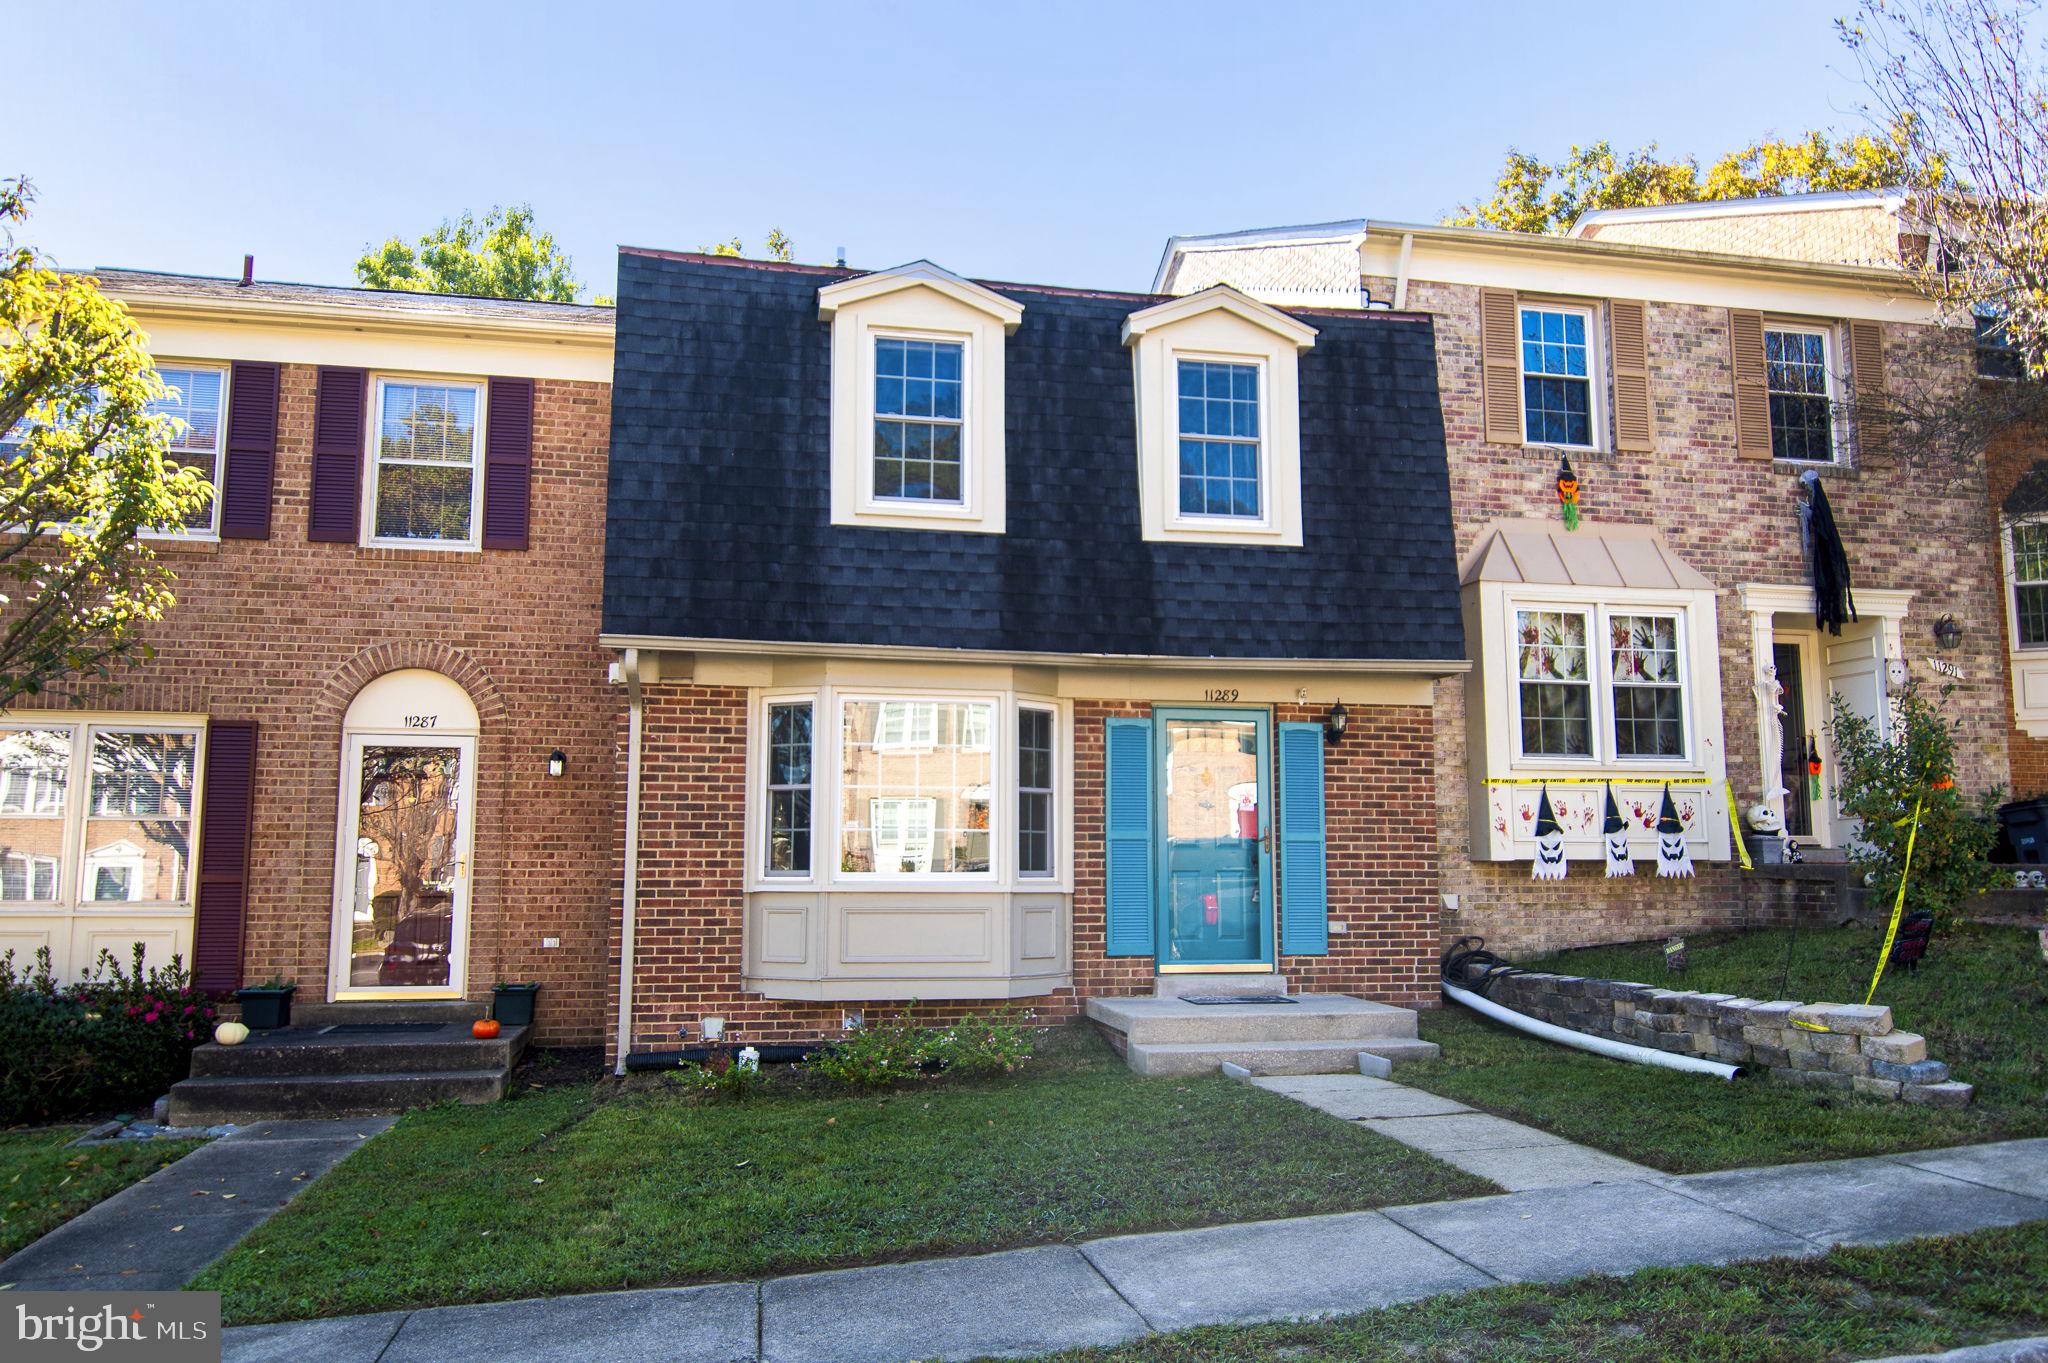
{"type": "Point", "coordinates": [1598, 1045]}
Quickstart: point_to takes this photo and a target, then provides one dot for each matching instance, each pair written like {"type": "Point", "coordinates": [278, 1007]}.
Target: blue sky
{"type": "Point", "coordinates": [1053, 143]}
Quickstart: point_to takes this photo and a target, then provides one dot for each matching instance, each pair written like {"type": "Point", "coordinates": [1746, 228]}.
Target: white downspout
{"type": "Point", "coordinates": [1401, 272]}
{"type": "Point", "coordinates": [629, 893]}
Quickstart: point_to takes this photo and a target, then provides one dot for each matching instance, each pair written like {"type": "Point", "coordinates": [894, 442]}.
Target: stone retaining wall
{"type": "Point", "coordinates": [1857, 1050]}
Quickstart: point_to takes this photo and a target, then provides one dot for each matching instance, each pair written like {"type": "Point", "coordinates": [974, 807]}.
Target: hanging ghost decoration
{"type": "Point", "coordinates": [1673, 857]}
{"type": "Point", "coordinates": [1550, 863]}
{"type": "Point", "coordinates": [1826, 558]}
{"type": "Point", "coordinates": [1614, 840]}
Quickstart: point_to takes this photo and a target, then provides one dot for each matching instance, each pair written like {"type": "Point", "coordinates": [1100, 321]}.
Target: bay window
{"type": "Point", "coordinates": [1577, 702]}
{"type": "Point", "coordinates": [97, 814]}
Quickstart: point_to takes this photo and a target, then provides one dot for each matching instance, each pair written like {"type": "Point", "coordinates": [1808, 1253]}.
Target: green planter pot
{"type": "Point", "coordinates": [264, 1008]}
{"type": "Point", "coordinates": [512, 1004]}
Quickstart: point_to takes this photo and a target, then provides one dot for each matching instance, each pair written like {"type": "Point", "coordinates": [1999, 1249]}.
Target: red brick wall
{"type": "Point", "coordinates": [688, 954]}
{"type": "Point", "coordinates": [285, 631]}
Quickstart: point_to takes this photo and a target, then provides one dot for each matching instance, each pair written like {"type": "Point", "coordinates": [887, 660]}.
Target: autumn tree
{"type": "Point", "coordinates": [85, 470]}
{"type": "Point", "coordinates": [1548, 197]}
{"type": "Point", "coordinates": [501, 256]}
{"type": "Point", "coordinates": [776, 247]}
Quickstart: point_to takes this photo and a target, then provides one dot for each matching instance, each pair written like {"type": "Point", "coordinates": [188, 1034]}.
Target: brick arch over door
{"type": "Point", "coordinates": [496, 753]}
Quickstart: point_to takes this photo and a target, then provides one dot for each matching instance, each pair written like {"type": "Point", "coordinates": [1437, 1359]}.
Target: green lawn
{"type": "Point", "coordinates": [585, 1188]}
{"type": "Point", "coordinates": [1915, 1297]}
{"type": "Point", "coordinates": [44, 1182]}
{"type": "Point", "coordinates": [1981, 999]}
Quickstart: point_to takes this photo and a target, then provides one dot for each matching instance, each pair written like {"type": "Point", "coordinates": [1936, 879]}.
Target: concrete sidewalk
{"type": "Point", "coordinates": [1109, 1291]}
{"type": "Point", "coordinates": [159, 1233]}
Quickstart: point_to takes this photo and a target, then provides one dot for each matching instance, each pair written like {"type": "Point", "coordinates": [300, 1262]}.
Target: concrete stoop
{"type": "Point", "coordinates": [1315, 1034]}
{"type": "Point", "coordinates": [346, 1068]}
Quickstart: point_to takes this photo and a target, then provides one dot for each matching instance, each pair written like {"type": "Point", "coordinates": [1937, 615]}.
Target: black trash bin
{"type": "Point", "coordinates": [2025, 823]}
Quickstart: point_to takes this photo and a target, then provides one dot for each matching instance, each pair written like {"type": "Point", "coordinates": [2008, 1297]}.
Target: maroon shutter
{"type": "Point", "coordinates": [224, 855]}
{"type": "Point", "coordinates": [508, 463]}
{"type": "Point", "coordinates": [251, 468]}
{"type": "Point", "coordinates": [337, 502]}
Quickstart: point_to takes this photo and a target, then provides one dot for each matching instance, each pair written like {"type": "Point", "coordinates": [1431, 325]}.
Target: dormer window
{"type": "Point", "coordinates": [1219, 422]}
{"type": "Point", "coordinates": [917, 399]}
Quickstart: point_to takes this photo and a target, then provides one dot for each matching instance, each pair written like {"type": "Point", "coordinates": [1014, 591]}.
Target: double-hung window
{"type": "Point", "coordinates": [426, 480]}
{"type": "Point", "coordinates": [915, 796]}
{"type": "Point", "coordinates": [1035, 727]}
{"type": "Point", "coordinates": [1574, 700]}
{"type": "Point", "coordinates": [2030, 584]}
{"type": "Point", "coordinates": [1555, 683]}
{"type": "Point", "coordinates": [1799, 384]}
{"type": "Point", "coordinates": [1649, 698]}
{"type": "Point", "coordinates": [1997, 356]}
{"type": "Point", "coordinates": [920, 427]}
{"type": "Point", "coordinates": [1219, 439]}
{"type": "Point", "coordinates": [789, 788]}
{"type": "Point", "coordinates": [97, 813]}
{"type": "Point", "coordinates": [197, 402]}
{"type": "Point", "coordinates": [1557, 370]}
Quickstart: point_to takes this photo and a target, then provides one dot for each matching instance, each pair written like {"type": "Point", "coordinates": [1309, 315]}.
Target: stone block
{"type": "Point", "coordinates": [1770, 1057]}
{"type": "Point", "coordinates": [1735, 1009]}
{"type": "Point", "coordinates": [1776, 1014]}
{"type": "Point", "coordinates": [1676, 1042]}
{"type": "Point", "coordinates": [1875, 1088]}
{"type": "Point", "coordinates": [1939, 1095]}
{"type": "Point", "coordinates": [1662, 1000]}
{"type": "Point", "coordinates": [1919, 1072]}
{"type": "Point", "coordinates": [1831, 1043]}
{"type": "Point", "coordinates": [1901, 1048]}
{"type": "Point", "coordinates": [1704, 1005]}
{"type": "Point", "coordinates": [1735, 1052]}
{"type": "Point", "coordinates": [1852, 1063]}
{"type": "Point", "coordinates": [1766, 1036]}
{"type": "Point", "coordinates": [1854, 1019]}
{"type": "Point", "coordinates": [1657, 1022]}
{"type": "Point", "coordinates": [1699, 1025]}
{"type": "Point", "coordinates": [1820, 1079]}
{"type": "Point", "coordinates": [1809, 1060]}
{"type": "Point", "coordinates": [1624, 1008]}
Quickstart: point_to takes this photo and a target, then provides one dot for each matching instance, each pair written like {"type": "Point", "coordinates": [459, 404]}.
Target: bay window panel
{"type": "Point", "coordinates": [35, 773]}
{"type": "Point", "coordinates": [1555, 683]}
{"type": "Point", "coordinates": [1034, 791]}
{"type": "Point", "coordinates": [2030, 583]}
{"type": "Point", "coordinates": [1649, 699]}
{"type": "Point", "coordinates": [138, 832]}
{"type": "Point", "coordinates": [789, 789]}
{"type": "Point", "coordinates": [915, 793]}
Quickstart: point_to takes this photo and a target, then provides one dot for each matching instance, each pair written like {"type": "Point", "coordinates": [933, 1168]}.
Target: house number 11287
{"type": "Point", "coordinates": [421, 721]}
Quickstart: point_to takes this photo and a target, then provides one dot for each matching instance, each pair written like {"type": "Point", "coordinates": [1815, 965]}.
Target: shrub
{"type": "Point", "coordinates": [115, 1038]}
{"type": "Point", "coordinates": [984, 1043]}
{"type": "Point", "coordinates": [722, 1074]}
{"type": "Point", "coordinates": [897, 1051]}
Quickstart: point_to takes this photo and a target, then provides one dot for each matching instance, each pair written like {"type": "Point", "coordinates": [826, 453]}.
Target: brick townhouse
{"type": "Point", "coordinates": [991, 645]}
{"type": "Point", "coordinates": [373, 752]}
{"type": "Point", "coordinates": [1671, 640]}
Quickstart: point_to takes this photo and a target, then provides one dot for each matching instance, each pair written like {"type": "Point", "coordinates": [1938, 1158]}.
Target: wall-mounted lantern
{"type": "Point", "coordinates": [558, 763]}
{"type": "Point", "coordinates": [1337, 723]}
{"type": "Point", "coordinates": [1947, 633]}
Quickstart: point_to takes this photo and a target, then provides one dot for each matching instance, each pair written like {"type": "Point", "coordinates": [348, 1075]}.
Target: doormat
{"type": "Point", "coordinates": [1236, 998]}
{"type": "Point", "coordinates": [380, 1028]}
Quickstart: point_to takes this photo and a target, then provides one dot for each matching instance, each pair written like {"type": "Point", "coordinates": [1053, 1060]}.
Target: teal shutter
{"type": "Point", "coordinates": [1304, 880]}
{"type": "Point", "coordinates": [1127, 837]}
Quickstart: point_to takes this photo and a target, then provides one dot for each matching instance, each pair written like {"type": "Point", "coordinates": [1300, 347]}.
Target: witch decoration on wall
{"type": "Point", "coordinates": [1614, 839]}
{"type": "Point", "coordinates": [1568, 492]}
{"type": "Point", "coordinates": [1828, 561]}
{"type": "Point", "coordinates": [1550, 862]}
{"type": "Point", "coordinates": [1673, 857]}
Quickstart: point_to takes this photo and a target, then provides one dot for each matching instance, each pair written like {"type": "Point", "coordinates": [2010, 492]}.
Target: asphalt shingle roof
{"type": "Point", "coordinates": [719, 521]}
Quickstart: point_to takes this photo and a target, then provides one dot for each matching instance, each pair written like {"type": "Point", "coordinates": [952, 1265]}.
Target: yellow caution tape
{"type": "Point", "coordinates": [1735, 827]}
{"type": "Point", "coordinates": [1891, 932]}
{"type": "Point", "coordinates": [1810, 1026]}
{"type": "Point", "coordinates": [1600, 781]}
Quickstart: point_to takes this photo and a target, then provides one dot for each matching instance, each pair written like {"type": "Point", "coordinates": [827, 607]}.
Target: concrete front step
{"type": "Point", "coordinates": [1311, 1017]}
{"type": "Point", "coordinates": [308, 1051]}
{"type": "Point", "coordinates": [316, 1014]}
{"type": "Point", "coordinates": [1269, 1057]}
{"type": "Point", "coordinates": [249, 1098]}
{"type": "Point", "coordinates": [1180, 986]}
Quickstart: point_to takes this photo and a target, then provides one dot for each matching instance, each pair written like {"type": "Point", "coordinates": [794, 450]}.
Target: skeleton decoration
{"type": "Point", "coordinates": [1614, 839]}
{"type": "Point", "coordinates": [1673, 857]}
{"type": "Point", "coordinates": [1550, 862]}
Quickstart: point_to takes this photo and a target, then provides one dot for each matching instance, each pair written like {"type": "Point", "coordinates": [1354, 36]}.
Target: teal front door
{"type": "Point", "coordinates": [1214, 812]}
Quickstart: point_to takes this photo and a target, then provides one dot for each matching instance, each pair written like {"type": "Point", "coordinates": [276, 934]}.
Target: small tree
{"type": "Point", "coordinates": [84, 470]}
{"type": "Point", "coordinates": [499, 257]}
{"type": "Point", "coordinates": [776, 247]}
{"type": "Point", "coordinates": [1879, 783]}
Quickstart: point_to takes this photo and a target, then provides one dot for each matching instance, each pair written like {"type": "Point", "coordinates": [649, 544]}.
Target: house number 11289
{"type": "Point", "coordinates": [1222, 693]}
{"type": "Point", "coordinates": [421, 721]}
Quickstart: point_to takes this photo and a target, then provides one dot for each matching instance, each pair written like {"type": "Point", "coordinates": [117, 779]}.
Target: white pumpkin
{"type": "Point", "coordinates": [231, 1034]}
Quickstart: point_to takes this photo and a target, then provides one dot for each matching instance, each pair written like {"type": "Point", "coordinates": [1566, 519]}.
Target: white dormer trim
{"type": "Point", "coordinates": [919, 301]}
{"type": "Point", "coordinates": [1218, 325]}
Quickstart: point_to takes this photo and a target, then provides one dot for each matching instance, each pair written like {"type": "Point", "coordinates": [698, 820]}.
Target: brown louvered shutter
{"type": "Point", "coordinates": [223, 879]}
{"type": "Point", "coordinates": [508, 463]}
{"type": "Point", "coordinates": [1752, 399]}
{"type": "Point", "coordinates": [250, 469]}
{"type": "Point", "coordinates": [1629, 341]}
{"type": "Point", "coordinates": [338, 415]}
{"type": "Point", "coordinates": [1500, 366]}
{"type": "Point", "coordinates": [1866, 371]}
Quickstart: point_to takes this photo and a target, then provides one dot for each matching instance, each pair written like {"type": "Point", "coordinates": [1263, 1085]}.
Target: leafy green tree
{"type": "Point", "coordinates": [1545, 197]}
{"type": "Point", "coordinates": [500, 257]}
{"type": "Point", "coordinates": [1881, 780]}
{"type": "Point", "coordinates": [777, 247]}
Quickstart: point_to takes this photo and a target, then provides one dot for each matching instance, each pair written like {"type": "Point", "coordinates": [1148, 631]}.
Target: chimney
{"type": "Point", "coordinates": [248, 271]}
{"type": "Point", "coordinates": [842, 257]}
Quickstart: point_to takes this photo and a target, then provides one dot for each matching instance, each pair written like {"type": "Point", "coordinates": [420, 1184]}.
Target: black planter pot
{"type": "Point", "coordinates": [264, 1007]}
{"type": "Point", "coordinates": [512, 1004]}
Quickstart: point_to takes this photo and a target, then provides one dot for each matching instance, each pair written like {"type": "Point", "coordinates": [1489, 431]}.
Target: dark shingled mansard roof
{"type": "Point", "coordinates": [719, 522]}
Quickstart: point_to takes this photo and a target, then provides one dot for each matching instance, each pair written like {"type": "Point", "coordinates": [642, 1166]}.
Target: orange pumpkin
{"type": "Point", "coordinates": [484, 1028]}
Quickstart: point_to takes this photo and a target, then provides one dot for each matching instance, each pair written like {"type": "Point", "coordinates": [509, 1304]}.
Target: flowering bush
{"type": "Point", "coordinates": [897, 1050]}
{"type": "Point", "coordinates": [724, 1073]}
{"type": "Point", "coordinates": [119, 1036]}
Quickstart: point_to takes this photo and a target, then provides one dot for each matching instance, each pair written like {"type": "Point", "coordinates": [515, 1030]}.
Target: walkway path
{"type": "Point", "coordinates": [1031, 1301]}
{"type": "Point", "coordinates": [159, 1233]}
{"type": "Point", "coordinates": [1516, 1157]}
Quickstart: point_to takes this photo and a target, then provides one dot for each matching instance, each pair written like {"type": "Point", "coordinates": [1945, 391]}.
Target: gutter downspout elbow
{"type": "Point", "coordinates": [629, 890]}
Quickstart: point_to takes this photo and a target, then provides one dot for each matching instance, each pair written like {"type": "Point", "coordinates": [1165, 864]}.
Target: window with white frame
{"type": "Point", "coordinates": [97, 813]}
{"type": "Point", "coordinates": [197, 402]}
{"type": "Point", "coordinates": [789, 788]}
{"type": "Point", "coordinates": [935, 794]}
{"type": "Point", "coordinates": [1558, 399]}
{"type": "Point", "coordinates": [1800, 386]}
{"type": "Point", "coordinates": [2030, 584]}
{"type": "Point", "coordinates": [1035, 764]}
{"type": "Point", "coordinates": [1555, 690]}
{"type": "Point", "coordinates": [1647, 685]}
{"type": "Point", "coordinates": [1220, 465]}
{"type": "Point", "coordinates": [426, 473]}
{"type": "Point", "coordinates": [1574, 700]}
{"type": "Point", "coordinates": [920, 430]}
{"type": "Point", "coordinates": [907, 724]}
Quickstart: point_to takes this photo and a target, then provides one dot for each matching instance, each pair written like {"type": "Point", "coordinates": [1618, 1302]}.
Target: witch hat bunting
{"type": "Point", "coordinates": [1673, 857]}
{"type": "Point", "coordinates": [1614, 840]}
{"type": "Point", "coordinates": [1550, 863]}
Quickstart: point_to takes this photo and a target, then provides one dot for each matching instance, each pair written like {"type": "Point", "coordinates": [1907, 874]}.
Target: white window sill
{"type": "Point", "coordinates": [901, 885]}
{"type": "Point", "coordinates": [426, 546]}
{"type": "Point", "coordinates": [922, 989]}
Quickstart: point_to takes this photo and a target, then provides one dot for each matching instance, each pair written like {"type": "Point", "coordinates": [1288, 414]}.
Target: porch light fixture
{"type": "Point", "coordinates": [1947, 633]}
{"type": "Point", "coordinates": [558, 763]}
{"type": "Point", "coordinates": [1337, 723]}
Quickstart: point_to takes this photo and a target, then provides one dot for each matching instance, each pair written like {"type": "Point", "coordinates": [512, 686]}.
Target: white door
{"type": "Point", "coordinates": [1853, 669]}
{"type": "Point", "coordinates": [401, 925]}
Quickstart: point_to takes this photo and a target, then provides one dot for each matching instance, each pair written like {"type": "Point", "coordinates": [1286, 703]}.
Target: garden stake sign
{"type": "Point", "coordinates": [1891, 931]}
{"type": "Point", "coordinates": [1614, 839]}
{"type": "Point", "coordinates": [1568, 492]}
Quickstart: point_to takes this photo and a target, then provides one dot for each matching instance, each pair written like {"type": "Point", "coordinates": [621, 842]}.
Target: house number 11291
{"type": "Point", "coordinates": [421, 721]}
